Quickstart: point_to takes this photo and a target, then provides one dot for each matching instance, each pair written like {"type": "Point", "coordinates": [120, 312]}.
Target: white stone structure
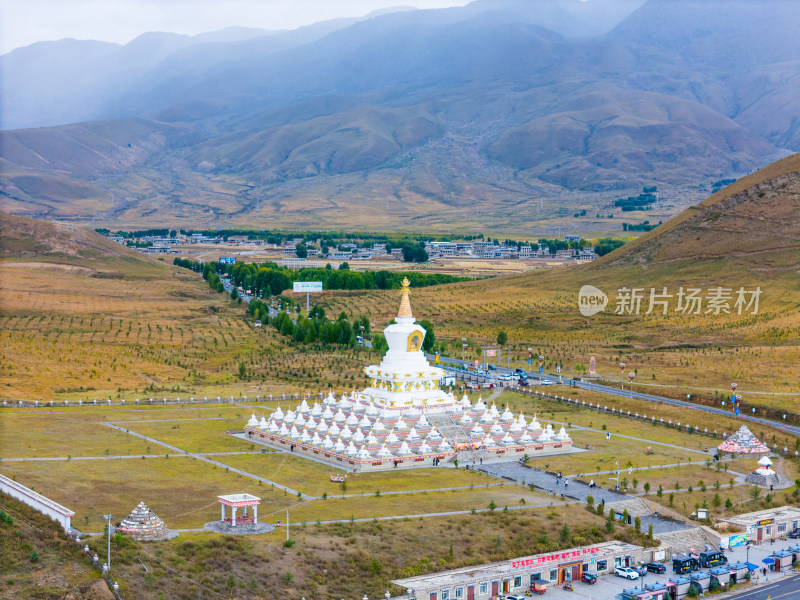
{"type": "Point", "coordinates": [144, 525]}
{"type": "Point", "coordinates": [61, 515]}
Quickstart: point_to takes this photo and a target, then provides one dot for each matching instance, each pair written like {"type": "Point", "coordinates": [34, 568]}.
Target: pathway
{"type": "Point", "coordinates": [572, 489]}
{"type": "Point", "coordinates": [199, 456]}
{"type": "Point", "coordinates": [122, 456]}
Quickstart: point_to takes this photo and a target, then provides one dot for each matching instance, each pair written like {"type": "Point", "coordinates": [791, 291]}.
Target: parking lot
{"type": "Point", "coordinates": [608, 586]}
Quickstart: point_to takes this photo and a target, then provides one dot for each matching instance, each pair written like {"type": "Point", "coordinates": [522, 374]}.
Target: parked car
{"type": "Point", "coordinates": [521, 372]}
{"type": "Point", "coordinates": [523, 383]}
{"type": "Point", "coordinates": [589, 578]}
{"type": "Point", "coordinates": [508, 377]}
{"type": "Point", "coordinates": [794, 534]}
{"type": "Point", "coordinates": [655, 567]}
{"type": "Point", "coordinates": [640, 569]}
{"type": "Point", "coordinates": [546, 382]}
{"type": "Point", "coordinates": [626, 572]}
{"type": "Point", "coordinates": [491, 367]}
{"type": "Point", "coordinates": [515, 597]}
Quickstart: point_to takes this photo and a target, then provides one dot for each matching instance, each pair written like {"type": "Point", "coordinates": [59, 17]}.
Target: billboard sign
{"type": "Point", "coordinates": [227, 260]}
{"type": "Point", "coordinates": [307, 286]}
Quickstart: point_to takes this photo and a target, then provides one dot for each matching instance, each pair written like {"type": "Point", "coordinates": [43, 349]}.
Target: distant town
{"type": "Point", "coordinates": [308, 251]}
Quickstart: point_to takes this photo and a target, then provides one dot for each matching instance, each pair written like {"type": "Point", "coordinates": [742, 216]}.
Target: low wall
{"type": "Point", "coordinates": [61, 515]}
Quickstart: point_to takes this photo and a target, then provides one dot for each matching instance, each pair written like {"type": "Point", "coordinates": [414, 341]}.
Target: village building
{"type": "Point", "coordinates": [516, 576]}
{"type": "Point", "coordinates": [768, 524]}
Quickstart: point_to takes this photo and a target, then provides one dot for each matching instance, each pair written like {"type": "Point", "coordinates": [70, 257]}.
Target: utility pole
{"type": "Point", "coordinates": [287, 525]}
{"type": "Point", "coordinates": [108, 527]}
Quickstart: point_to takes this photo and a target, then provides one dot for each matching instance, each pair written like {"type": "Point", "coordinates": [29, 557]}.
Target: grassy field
{"type": "Point", "coordinates": [43, 435]}
{"type": "Point", "coordinates": [182, 491]}
{"type": "Point", "coordinates": [198, 436]}
{"type": "Point", "coordinates": [604, 453]}
{"type": "Point", "coordinates": [313, 478]}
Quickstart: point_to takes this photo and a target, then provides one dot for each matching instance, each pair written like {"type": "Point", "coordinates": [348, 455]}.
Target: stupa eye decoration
{"type": "Point", "coordinates": [414, 341]}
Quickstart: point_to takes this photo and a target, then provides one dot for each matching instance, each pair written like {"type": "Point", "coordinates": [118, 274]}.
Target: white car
{"type": "Point", "coordinates": [508, 377]}
{"type": "Point", "coordinates": [626, 572]}
{"type": "Point", "coordinates": [546, 382]}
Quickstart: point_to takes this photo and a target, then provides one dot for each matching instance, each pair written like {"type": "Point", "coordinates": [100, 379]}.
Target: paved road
{"type": "Point", "coordinates": [787, 588]}
{"type": "Point", "coordinates": [614, 391]}
{"type": "Point", "coordinates": [586, 385]}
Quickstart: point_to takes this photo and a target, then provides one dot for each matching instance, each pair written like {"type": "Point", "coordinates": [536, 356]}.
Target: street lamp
{"type": "Point", "coordinates": [631, 375]}
{"type": "Point", "coordinates": [621, 375]}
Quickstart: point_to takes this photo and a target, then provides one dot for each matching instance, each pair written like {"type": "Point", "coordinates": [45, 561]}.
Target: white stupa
{"type": "Point", "coordinates": [405, 375]}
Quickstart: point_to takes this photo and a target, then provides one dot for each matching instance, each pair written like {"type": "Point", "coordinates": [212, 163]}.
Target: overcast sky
{"type": "Point", "coordinates": [24, 22]}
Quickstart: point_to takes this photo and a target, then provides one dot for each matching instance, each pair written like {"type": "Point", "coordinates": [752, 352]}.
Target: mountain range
{"type": "Point", "coordinates": [422, 113]}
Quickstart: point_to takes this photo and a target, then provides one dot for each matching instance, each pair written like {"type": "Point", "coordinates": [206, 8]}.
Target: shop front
{"type": "Point", "coordinates": [783, 560]}
{"type": "Point", "coordinates": [722, 575]}
{"type": "Point", "coordinates": [655, 591]}
{"type": "Point", "coordinates": [765, 525]}
{"type": "Point", "coordinates": [521, 575]}
{"type": "Point", "coordinates": [738, 571]}
{"type": "Point", "coordinates": [680, 585]}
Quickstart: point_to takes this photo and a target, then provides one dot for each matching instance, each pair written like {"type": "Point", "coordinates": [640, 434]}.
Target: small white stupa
{"type": "Point", "coordinates": [764, 475]}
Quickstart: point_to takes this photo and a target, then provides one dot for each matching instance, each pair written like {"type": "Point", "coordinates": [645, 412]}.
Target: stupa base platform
{"type": "Point", "coordinates": [765, 481]}
{"type": "Point", "coordinates": [465, 454]}
{"type": "Point", "coordinates": [248, 529]}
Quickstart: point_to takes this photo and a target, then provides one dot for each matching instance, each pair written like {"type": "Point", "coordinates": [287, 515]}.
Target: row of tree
{"type": "Point", "coordinates": [643, 226]}
{"type": "Point", "coordinates": [269, 279]}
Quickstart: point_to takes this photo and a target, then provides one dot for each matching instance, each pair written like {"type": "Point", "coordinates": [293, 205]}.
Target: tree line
{"type": "Point", "coordinates": [268, 279]}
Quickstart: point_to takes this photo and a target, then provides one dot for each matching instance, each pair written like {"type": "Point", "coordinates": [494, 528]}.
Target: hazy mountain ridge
{"type": "Point", "coordinates": [535, 109]}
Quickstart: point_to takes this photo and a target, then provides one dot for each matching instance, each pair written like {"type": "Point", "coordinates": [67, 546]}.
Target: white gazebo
{"type": "Point", "coordinates": [240, 501]}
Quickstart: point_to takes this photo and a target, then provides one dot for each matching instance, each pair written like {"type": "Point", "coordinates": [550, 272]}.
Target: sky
{"type": "Point", "coordinates": [24, 22]}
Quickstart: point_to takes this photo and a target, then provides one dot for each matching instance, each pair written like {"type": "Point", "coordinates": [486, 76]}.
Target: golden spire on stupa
{"type": "Point", "coordinates": [405, 304]}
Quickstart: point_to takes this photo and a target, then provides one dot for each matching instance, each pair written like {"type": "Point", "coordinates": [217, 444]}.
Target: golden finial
{"type": "Point", "coordinates": [405, 304]}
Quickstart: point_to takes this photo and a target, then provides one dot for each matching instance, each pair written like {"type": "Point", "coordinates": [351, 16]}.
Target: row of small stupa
{"type": "Point", "coordinates": [360, 430]}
